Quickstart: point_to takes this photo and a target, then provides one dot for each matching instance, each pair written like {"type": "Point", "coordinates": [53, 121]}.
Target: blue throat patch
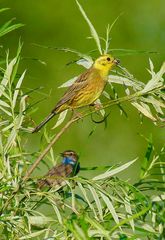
{"type": "Point", "coordinates": [67, 160]}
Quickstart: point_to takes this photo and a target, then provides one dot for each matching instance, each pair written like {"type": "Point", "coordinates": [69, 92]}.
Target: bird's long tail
{"type": "Point", "coordinates": [50, 116]}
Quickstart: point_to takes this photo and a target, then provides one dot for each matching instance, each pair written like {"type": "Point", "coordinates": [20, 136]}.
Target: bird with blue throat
{"type": "Point", "coordinates": [56, 177]}
{"type": "Point", "coordinates": [86, 89]}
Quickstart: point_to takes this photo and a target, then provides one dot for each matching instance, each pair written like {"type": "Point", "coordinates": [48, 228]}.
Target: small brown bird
{"type": "Point", "coordinates": [57, 175]}
{"type": "Point", "coordinates": [86, 89]}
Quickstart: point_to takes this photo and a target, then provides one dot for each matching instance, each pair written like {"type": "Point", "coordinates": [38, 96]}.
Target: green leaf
{"type": "Point", "coordinates": [125, 81]}
{"type": "Point", "coordinates": [156, 80]}
{"type": "Point", "coordinates": [98, 226]}
{"type": "Point", "coordinates": [147, 158]}
{"type": "Point", "coordinates": [10, 29]}
{"type": "Point", "coordinates": [110, 207]}
{"type": "Point", "coordinates": [92, 29]}
{"type": "Point", "coordinates": [4, 9]}
{"type": "Point", "coordinates": [5, 111]}
{"type": "Point", "coordinates": [85, 63]}
{"type": "Point", "coordinates": [81, 55]}
{"type": "Point", "coordinates": [87, 199]}
{"type": "Point", "coordinates": [145, 110]}
{"type": "Point", "coordinates": [97, 201]}
{"type": "Point", "coordinates": [7, 76]}
{"type": "Point", "coordinates": [60, 119]}
{"type": "Point", "coordinates": [68, 83]}
{"type": "Point", "coordinates": [125, 52]}
{"type": "Point", "coordinates": [17, 88]}
{"type": "Point", "coordinates": [39, 220]}
{"type": "Point", "coordinates": [32, 235]}
{"type": "Point", "coordinates": [4, 104]}
{"type": "Point", "coordinates": [112, 172]}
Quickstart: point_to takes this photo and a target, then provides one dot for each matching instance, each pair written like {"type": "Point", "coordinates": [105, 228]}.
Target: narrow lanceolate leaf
{"type": "Point", "coordinates": [156, 80]}
{"type": "Point", "coordinates": [81, 55]}
{"type": "Point", "coordinates": [125, 81]}
{"type": "Point", "coordinates": [10, 28]}
{"type": "Point", "coordinates": [2, 123]}
{"type": "Point", "coordinates": [19, 83]}
{"type": "Point", "coordinates": [57, 213]}
{"type": "Point", "coordinates": [85, 63]}
{"type": "Point", "coordinates": [97, 201]}
{"type": "Point", "coordinates": [8, 127]}
{"type": "Point", "coordinates": [153, 101]}
{"type": "Point", "coordinates": [4, 9]}
{"type": "Point", "coordinates": [68, 83]}
{"type": "Point", "coordinates": [39, 221]}
{"type": "Point", "coordinates": [4, 104]}
{"type": "Point", "coordinates": [4, 26]}
{"type": "Point", "coordinates": [111, 208]}
{"type": "Point", "coordinates": [129, 211]}
{"type": "Point", "coordinates": [106, 95]}
{"type": "Point", "coordinates": [92, 29]}
{"type": "Point", "coordinates": [158, 198]}
{"type": "Point", "coordinates": [78, 232]}
{"type": "Point", "coordinates": [151, 67]}
{"type": "Point", "coordinates": [61, 118]}
{"type": "Point", "coordinates": [114, 171]}
{"type": "Point", "coordinates": [34, 234]}
{"type": "Point", "coordinates": [102, 231]}
{"type": "Point", "coordinates": [1, 145]}
{"type": "Point", "coordinates": [145, 111]}
{"type": "Point", "coordinates": [17, 124]}
{"type": "Point", "coordinates": [7, 76]}
{"type": "Point", "coordinates": [11, 140]}
{"type": "Point", "coordinates": [21, 115]}
{"type": "Point", "coordinates": [87, 198]}
{"type": "Point", "coordinates": [5, 111]}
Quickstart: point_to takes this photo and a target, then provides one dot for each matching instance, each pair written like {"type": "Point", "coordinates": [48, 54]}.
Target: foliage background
{"type": "Point", "coordinates": [104, 206]}
{"type": "Point", "coordinates": [59, 24]}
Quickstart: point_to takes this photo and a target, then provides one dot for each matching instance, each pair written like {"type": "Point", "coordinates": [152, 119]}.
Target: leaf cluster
{"type": "Point", "coordinates": [102, 207]}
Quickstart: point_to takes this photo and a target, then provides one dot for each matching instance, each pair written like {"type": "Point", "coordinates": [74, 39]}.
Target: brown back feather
{"type": "Point", "coordinates": [80, 83]}
{"type": "Point", "coordinates": [56, 176]}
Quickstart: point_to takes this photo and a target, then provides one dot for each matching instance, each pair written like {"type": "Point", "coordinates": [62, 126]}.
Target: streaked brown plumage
{"type": "Point", "coordinates": [57, 175]}
{"type": "Point", "coordinates": [85, 90]}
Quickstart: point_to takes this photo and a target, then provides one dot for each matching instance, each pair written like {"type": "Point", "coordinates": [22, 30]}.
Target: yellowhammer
{"type": "Point", "coordinates": [86, 89]}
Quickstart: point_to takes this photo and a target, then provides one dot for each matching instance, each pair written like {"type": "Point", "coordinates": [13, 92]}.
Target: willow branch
{"type": "Point", "coordinates": [132, 97]}
{"type": "Point", "coordinates": [47, 149]}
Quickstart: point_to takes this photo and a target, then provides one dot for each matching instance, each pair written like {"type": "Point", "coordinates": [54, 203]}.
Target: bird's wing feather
{"type": "Point", "coordinates": [60, 170]}
{"type": "Point", "coordinates": [80, 83]}
{"type": "Point", "coordinates": [56, 176]}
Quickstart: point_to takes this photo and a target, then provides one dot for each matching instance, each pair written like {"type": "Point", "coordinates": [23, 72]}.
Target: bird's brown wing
{"type": "Point", "coordinates": [56, 176]}
{"type": "Point", "coordinates": [79, 84]}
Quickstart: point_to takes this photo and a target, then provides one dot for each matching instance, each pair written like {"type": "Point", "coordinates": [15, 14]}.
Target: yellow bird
{"type": "Point", "coordinates": [86, 89]}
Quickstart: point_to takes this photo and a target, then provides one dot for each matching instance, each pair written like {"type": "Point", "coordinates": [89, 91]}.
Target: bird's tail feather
{"type": "Point", "coordinates": [50, 116]}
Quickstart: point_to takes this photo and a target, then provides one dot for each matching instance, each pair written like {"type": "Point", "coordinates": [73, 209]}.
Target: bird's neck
{"type": "Point", "coordinates": [68, 160]}
{"type": "Point", "coordinates": [103, 71]}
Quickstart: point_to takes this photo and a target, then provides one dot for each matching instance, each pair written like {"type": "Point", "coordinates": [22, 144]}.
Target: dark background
{"type": "Point", "coordinates": [60, 24]}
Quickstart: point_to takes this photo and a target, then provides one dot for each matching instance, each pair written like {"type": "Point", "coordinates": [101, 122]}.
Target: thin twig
{"type": "Point", "coordinates": [55, 139]}
{"type": "Point", "coordinates": [67, 125]}
{"type": "Point", "coordinates": [132, 97]}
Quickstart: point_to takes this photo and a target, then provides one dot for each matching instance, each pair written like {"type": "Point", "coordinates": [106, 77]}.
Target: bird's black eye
{"type": "Point", "coordinates": [108, 59]}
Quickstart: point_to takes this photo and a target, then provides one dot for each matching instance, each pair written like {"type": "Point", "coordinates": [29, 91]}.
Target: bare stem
{"type": "Point", "coordinates": [55, 139]}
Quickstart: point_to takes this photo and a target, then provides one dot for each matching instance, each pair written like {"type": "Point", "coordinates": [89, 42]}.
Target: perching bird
{"type": "Point", "coordinates": [86, 89]}
{"type": "Point", "coordinates": [57, 175]}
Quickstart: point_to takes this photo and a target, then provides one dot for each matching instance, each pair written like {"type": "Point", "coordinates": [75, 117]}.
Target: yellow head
{"type": "Point", "coordinates": [104, 64]}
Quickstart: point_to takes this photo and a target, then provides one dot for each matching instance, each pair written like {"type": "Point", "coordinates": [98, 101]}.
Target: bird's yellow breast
{"type": "Point", "coordinates": [91, 92]}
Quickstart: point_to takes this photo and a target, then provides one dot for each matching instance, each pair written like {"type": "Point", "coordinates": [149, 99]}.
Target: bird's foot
{"type": "Point", "coordinates": [77, 115]}
{"type": "Point", "coordinates": [97, 106]}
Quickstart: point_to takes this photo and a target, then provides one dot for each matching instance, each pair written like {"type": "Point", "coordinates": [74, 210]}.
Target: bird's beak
{"type": "Point", "coordinates": [116, 61]}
